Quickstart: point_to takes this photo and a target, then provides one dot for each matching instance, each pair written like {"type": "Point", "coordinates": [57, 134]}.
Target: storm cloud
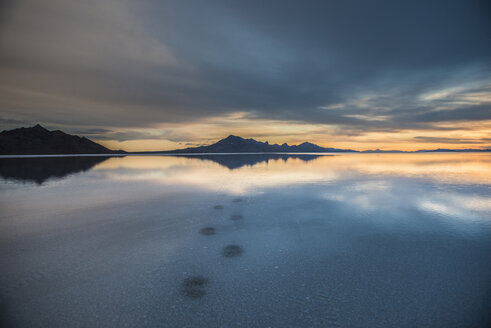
{"type": "Point", "coordinates": [353, 65]}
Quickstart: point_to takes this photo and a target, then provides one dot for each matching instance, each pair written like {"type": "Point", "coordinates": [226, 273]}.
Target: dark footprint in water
{"type": "Point", "coordinates": [232, 251]}
{"type": "Point", "coordinates": [237, 200]}
{"type": "Point", "coordinates": [218, 207]}
{"type": "Point", "coordinates": [208, 231]}
{"type": "Point", "coordinates": [194, 287]}
{"type": "Point", "coordinates": [236, 217]}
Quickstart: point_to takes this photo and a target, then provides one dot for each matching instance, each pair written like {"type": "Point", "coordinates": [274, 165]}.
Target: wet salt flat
{"type": "Point", "coordinates": [351, 240]}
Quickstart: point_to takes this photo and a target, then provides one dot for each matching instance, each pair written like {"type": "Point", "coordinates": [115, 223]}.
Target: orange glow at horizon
{"type": "Point", "coordinates": [466, 135]}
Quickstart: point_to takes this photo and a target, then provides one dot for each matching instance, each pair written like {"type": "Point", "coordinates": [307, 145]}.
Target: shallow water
{"type": "Point", "coordinates": [352, 240]}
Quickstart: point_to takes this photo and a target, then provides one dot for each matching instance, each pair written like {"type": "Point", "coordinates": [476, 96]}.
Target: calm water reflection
{"type": "Point", "coordinates": [246, 240]}
{"type": "Point", "coordinates": [41, 169]}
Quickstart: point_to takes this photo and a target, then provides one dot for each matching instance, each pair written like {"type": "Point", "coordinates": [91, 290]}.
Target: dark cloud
{"type": "Point", "coordinates": [467, 113]}
{"type": "Point", "coordinates": [88, 132]}
{"type": "Point", "coordinates": [451, 140]}
{"type": "Point", "coordinates": [359, 65]}
{"type": "Point", "coordinates": [13, 122]}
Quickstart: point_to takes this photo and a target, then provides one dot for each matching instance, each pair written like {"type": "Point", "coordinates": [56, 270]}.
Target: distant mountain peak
{"type": "Point", "coordinates": [232, 137]}
{"type": "Point", "coordinates": [37, 129]}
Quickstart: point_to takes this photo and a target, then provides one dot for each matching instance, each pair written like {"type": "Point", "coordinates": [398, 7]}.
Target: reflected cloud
{"type": "Point", "coordinates": [452, 185]}
{"type": "Point", "coordinates": [415, 192]}
{"type": "Point", "coordinates": [457, 205]}
{"type": "Point", "coordinates": [253, 171]}
{"type": "Point", "coordinates": [439, 208]}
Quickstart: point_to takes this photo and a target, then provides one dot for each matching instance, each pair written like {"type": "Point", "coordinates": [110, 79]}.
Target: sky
{"type": "Point", "coordinates": [159, 75]}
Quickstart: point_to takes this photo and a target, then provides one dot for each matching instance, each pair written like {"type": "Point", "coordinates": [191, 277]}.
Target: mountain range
{"type": "Point", "coordinates": [235, 144]}
{"type": "Point", "coordinates": [38, 140]}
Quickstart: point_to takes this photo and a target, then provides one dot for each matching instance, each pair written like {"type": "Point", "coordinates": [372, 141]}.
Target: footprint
{"type": "Point", "coordinates": [237, 200]}
{"type": "Point", "coordinates": [208, 231]}
{"type": "Point", "coordinates": [232, 251]}
{"type": "Point", "coordinates": [194, 287]}
{"type": "Point", "coordinates": [218, 207]}
{"type": "Point", "coordinates": [236, 217]}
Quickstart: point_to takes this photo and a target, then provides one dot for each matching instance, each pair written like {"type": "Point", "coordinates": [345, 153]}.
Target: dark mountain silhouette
{"type": "Point", "coordinates": [37, 140]}
{"type": "Point", "coordinates": [235, 144]}
{"type": "Point", "coordinates": [40, 169]}
{"type": "Point", "coordinates": [240, 160]}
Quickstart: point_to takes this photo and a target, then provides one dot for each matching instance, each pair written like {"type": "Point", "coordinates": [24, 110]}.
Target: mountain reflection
{"type": "Point", "coordinates": [236, 161]}
{"type": "Point", "coordinates": [40, 169]}
{"type": "Point", "coordinates": [282, 168]}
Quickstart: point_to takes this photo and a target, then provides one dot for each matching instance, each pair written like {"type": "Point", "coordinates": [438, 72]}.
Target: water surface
{"type": "Point", "coordinates": [351, 240]}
